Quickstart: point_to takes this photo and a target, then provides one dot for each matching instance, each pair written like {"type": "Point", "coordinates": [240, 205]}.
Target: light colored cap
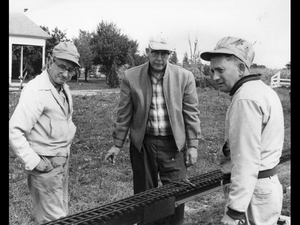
{"type": "Point", "coordinates": [67, 51]}
{"type": "Point", "coordinates": [239, 47]}
{"type": "Point", "coordinates": [160, 43]}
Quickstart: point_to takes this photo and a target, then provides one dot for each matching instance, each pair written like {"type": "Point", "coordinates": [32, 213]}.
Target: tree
{"type": "Point", "coordinates": [195, 65]}
{"type": "Point", "coordinates": [132, 53]}
{"type": "Point", "coordinates": [288, 67]}
{"type": "Point", "coordinates": [173, 58]}
{"type": "Point", "coordinates": [84, 48]}
{"type": "Point", "coordinates": [140, 59]}
{"type": "Point", "coordinates": [57, 36]}
{"type": "Point", "coordinates": [185, 60]}
{"type": "Point", "coordinates": [112, 49]}
{"type": "Point", "coordinates": [195, 60]}
{"type": "Point", "coordinates": [254, 66]}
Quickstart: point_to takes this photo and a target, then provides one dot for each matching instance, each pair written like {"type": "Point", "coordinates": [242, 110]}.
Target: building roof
{"type": "Point", "coordinates": [21, 25]}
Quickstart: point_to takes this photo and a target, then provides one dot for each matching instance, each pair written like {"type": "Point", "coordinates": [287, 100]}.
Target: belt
{"type": "Point", "coordinates": [159, 137]}
{"type": "Point", "coordinates": [262, 174]}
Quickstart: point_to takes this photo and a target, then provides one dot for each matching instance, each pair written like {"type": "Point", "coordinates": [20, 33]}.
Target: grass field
{"type": "Point", "coordinates": [93, 181]}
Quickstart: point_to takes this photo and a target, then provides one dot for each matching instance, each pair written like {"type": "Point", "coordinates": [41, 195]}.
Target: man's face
{"type": "Point", "coordinates": [225, 73]}
{"type": "Point", "coordinates": [62, 71]}
{"type": "Point", "coordinates": [158, 59]}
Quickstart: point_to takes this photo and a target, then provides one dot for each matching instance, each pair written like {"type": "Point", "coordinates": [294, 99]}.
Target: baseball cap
{"type": "Point", "coordinates": [160, 43]}
{"type": "Point", "coordinates": [66, 50]}
{"type": "Point", "coordinates": [239, 47]}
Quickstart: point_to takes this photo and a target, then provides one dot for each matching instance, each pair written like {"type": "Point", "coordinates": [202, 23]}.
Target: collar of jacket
{"type": "Point", "coordinates": [243, 80]}
{"type": "Point", "coordinates": [46, 84]}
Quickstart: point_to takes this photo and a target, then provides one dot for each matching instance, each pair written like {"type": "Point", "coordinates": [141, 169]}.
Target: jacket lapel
{"type": "Point", "coordinates": [69, 96]}
{"type": "Point", "coordinates": [166, 76]}
{"type": "Point", "coordinates": [145, 81]}
{"type": "Point", "coordinates": [47, 85]}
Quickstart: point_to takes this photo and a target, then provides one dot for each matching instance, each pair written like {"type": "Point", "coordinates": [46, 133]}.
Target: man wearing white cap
{"type": "Point", "coordinates": [254, 134]}
{"type": "Point", "coordinates": [41, 131]}
{"type": "Point", "coordinates": [158, 104]}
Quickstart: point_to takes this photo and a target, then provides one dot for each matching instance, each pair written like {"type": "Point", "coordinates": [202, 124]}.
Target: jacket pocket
{"type": "Point", "coordinates": [45, 125]}
{"type": "Point", "coordinates": [59, 129]}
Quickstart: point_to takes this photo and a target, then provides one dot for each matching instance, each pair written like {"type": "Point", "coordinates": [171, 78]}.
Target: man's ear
{"type": "Point", "coordinates": [147, 50]}
{"type": "Point", "coordinates": [50, 61]}
{"type": "Point", "coordinates": [242, 69]}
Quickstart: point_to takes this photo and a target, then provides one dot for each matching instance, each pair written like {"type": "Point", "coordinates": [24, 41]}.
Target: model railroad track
{"type": "Point", "coordinates": [150, 205]}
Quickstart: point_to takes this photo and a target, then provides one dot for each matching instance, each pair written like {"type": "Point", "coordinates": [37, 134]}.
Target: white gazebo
{"type": "Point", "coordinates": [22, 31]}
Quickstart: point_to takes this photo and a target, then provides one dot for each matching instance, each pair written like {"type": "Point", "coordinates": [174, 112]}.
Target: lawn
{"type": "Point", "coordinates": [91, 84]}
{"type": "Point", "coordinates": [94, 182]}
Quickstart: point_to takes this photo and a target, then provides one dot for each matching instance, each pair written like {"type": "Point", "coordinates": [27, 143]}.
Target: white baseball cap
{"type": "Point", "coordinates": [160, 43]}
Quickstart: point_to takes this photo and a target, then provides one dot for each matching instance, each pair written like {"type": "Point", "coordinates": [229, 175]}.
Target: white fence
{"type": "Point", "coordinates": [276, 81]}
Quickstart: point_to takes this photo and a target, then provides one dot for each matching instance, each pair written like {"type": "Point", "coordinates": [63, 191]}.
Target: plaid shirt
{"type": "Point", "coordinates": [158, 120]}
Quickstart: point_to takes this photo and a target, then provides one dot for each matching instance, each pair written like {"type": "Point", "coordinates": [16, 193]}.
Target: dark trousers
{"type": "Point", "coordinates": [158, 155]}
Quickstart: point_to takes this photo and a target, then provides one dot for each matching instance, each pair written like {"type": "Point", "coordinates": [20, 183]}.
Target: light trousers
{"type": "Point", "coordinates": [49, 192]}
{"type": "Point", "coordinates": [266, 203]}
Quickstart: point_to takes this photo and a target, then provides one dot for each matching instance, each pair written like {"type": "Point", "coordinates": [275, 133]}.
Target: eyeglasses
{"type": "Point", "coordinates": [62, 68]}
{"type": "Point", "coordinates": [164, 54]}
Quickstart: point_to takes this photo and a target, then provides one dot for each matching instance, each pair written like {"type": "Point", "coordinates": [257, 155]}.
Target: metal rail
{"type": "Point", "coordinates": [152, 204]}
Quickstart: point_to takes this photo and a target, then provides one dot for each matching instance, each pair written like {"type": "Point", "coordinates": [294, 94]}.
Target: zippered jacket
{"type": "Point", "coordinates": [181, 99]}
{"type": "Point", "coordinates": [254, 131]}
{"type": "Point", "coordinates": [40, 125]}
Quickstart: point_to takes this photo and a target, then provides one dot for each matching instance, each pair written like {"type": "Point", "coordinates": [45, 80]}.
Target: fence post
{"type": "Point", "coordinates": [278, 79]}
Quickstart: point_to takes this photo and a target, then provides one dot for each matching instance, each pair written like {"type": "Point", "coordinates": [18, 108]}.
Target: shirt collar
{"type": "Point", "coordinates": [243, 80]}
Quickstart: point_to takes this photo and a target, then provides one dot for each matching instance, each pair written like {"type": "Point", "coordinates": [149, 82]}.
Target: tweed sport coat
{"type": "Point", "coordinates": [181, 99]}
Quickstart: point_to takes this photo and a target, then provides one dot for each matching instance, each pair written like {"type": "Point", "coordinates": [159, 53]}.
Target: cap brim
{"type": "Point", "coordinates": [208, 55]}
{"type": "Point", "coordinates": [158, 46]}
{"type": "Point", "coordinates": [68, 57]}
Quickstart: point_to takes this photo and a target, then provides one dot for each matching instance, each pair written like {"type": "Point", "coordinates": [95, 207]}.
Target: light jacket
{"type": "Point", "coordinates": [181, 99]}
{"type": "Point", "coordinates": [40, 125]}
{"type": "Point", "coordinates": [254, 128]}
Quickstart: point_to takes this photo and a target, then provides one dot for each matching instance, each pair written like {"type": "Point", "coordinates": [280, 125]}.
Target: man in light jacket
{"type": "Point", "coordinates": [159, 106]}
{"type": "Point", "coordinates": [41, 131]}
{"type": "Point", "coordinates": [254, 134]}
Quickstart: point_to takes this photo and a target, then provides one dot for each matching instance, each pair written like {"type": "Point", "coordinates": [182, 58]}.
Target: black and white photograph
{"type": "Point", "coordinates": [149, 112]}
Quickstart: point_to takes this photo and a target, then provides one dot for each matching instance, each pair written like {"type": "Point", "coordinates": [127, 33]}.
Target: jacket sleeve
{"type": "Point", "coordinates": [245, 127]}
{"type": "Point", "coordinates": [24, 118]}
{"type": "Point", "coordinates": [124, 114]}
{"type": "Point", "coordinates": [191, 113]}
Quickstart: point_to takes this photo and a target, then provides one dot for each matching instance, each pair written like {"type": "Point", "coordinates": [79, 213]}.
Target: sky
{"type": "Point", "coordinates": [264, 23]}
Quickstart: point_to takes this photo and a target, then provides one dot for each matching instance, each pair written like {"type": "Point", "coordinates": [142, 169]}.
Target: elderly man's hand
{"type": "Point", "coordinates": [191, 156]}
{"type": "Point", "coordinates": [227, 220]}
{"type": "Point", "coordinates": [44, 165]}
{"type": "Point", "coordinates": [112, 154]}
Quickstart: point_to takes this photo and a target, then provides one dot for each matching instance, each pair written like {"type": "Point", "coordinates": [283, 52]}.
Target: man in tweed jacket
{"type": "Point", "coordinates": [159, 106]}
